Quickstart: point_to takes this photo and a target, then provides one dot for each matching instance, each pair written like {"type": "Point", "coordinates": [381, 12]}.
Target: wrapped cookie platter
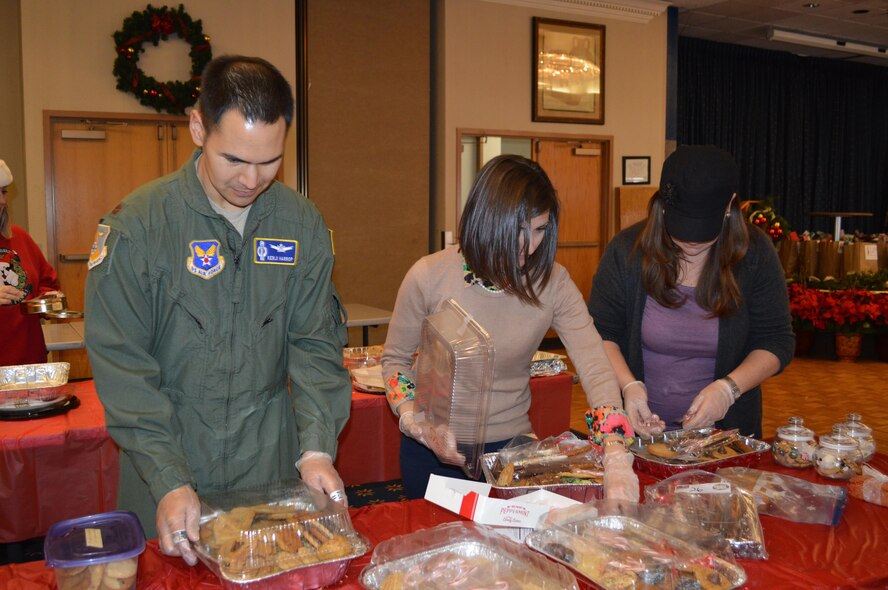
{"type": "Point", "coordinates": [281, 535]}
{"type": "Point", "coordinates": [668, 453]}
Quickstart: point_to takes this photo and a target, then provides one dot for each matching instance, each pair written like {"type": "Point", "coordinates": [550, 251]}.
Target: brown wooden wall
{"type": "Point", "coordinates": [368, 124]}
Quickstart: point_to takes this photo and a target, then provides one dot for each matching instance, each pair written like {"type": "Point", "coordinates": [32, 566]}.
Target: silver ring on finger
{"type": "Point", "coordinates": [336, 495]}
{"type": "Point", "coordinates": [179, 537]}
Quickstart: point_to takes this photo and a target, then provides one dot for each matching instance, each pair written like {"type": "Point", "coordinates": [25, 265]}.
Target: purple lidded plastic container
{"type": "Point", "coordinates": [95, 550]}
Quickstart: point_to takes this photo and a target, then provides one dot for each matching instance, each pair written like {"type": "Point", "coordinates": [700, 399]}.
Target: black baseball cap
{"type": "Point", "coordinates": [696, 186]}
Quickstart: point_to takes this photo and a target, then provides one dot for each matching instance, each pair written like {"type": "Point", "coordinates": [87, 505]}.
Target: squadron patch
{"type": "Point", "coordinates": [205, 260]}
{"type": "Point", "coordinates": [99, 249]}
{"type": "Point", "coordinates": [275, 251]}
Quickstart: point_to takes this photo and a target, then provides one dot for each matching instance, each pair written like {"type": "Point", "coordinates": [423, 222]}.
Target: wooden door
{"type": "Point", "coordinates": [579, 172]}
{"type": "Point", "coordinates": [92, 163]}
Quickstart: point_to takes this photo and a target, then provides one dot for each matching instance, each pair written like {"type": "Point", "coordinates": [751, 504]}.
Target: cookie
{"type": "Point", "coordinates": [660, 450]}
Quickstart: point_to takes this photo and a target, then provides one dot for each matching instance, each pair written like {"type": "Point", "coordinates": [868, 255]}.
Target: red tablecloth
{"type": "Point", "coordinates": [66, 466]}
{"type": "Point", "coordinates": [369, 445]}
{"type": "Point", "coordinates": [56, 468]}
{"type": "Point", "coordinates": [803, 556]}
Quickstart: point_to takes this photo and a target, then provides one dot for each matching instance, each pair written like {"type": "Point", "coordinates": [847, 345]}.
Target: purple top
{"type": "Point", "coordinates": [678, 347]}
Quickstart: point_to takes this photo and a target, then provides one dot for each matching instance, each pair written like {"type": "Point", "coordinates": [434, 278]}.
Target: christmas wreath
{"type": "Point", "coordinates": [156, 25]}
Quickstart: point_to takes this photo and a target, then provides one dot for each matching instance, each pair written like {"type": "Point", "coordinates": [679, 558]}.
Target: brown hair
{"type": "Point", "coordinates": [509, 191]}
{"type": "Point", "coordinates": [717, 291]}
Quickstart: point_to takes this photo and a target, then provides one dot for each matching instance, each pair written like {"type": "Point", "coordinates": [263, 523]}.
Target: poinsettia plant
{"type": "Point", "coordinates": [806, 307]}
{"type": "Point", "coordinates": [852, 311]}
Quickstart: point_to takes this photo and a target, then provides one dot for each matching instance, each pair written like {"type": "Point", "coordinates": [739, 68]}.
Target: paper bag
{"type": "Point", "coordinates": [829, 260]}
{"type": "Point", "coordinates": [860, 257]}
{"type": "Point", "coordinates": [788, 251]}
{"type": "Point", "coordinates": [808, 258]}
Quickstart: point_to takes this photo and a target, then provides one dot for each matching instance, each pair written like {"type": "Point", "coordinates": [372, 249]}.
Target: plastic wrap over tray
{"type": "Point", "coordinates": [454, 376]}
{"type": "Point", "coordinates": [526, 465]}
{"type": "Point", "coordinates": [617, 552]}
{"type": "Point", "coordinates": [281, 535]}
{"type": "Point", "coordinates": [363, 364]}
{"type": "Point", "coordinates": [33, 386]}
{"type": "Point", "coordinates": [663, 467]}
{"type": "Point", "coordinates": [713, 503]}
{"type": "Point", "coordinates": [546, 364]}
{"type": "Point", "coordinates": [461, 556]}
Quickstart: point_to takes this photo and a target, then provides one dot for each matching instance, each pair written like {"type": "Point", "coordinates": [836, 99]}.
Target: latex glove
{"type": "Point", "coordinates": [710, 406]}
{"type": "Point", "coordinates": [317, 471]}
{"type": "Point", "coordinates": [620, 482]}
{"type": "Point", "coordinates": [9, 295]}
{"type": "Point", "coordinates": [635, 402]}
{"type": "Point", "coordinates": [178, 510]}
{"type": "Point", "coordinates": [439, 439]}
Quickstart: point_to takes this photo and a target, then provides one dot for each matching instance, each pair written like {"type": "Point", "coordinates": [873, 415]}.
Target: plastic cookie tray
{"type": "Point", "coordinates": [282, 543]}
{"type": "Point", "coordinates": [662, 467]}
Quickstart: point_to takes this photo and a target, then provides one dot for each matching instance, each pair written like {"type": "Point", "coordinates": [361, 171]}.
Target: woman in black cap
{"type": "Point", "coordinates": [692, 303]}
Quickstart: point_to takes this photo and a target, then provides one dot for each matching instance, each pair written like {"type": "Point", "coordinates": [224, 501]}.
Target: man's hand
{"type": "Point", "coordinates": [710, 406]}
{"type": "Point", "coordinates": [317, 471]}
{"type": "Point", "coordinates": [178, 515]}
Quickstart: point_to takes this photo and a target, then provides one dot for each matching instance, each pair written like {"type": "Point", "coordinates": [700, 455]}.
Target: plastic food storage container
{"type": "Point", "coordinates": [460, 556]}
{"type": "Point", "coordinates": [28, 387]}
{"type": "Point", "coordinates": [98, 551]}
{"type": "Point", "coordinates": [617, 553]}
{"type": "Point", "coordinates": [864, 435]}
{"type": "Point", "coordinates": [794, 445]}
{"type": "Point", "coordinates": [454, 375]}
{"type": "Point", "coordinates": [838, 455]}
{"type": "Point", "coordinates": [280, 535]}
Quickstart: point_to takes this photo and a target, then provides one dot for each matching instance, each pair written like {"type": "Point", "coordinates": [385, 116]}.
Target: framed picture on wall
{"type": "Point", "coordinates": [636, 169]}
{"type": "Point", "coordinates": [568, 71]}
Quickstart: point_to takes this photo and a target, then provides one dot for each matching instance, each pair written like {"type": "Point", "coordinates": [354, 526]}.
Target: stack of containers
{"type": "Point", "coordinates": [454, 377]}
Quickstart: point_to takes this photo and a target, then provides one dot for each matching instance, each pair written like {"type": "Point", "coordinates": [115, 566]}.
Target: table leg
{"type": "Point", "coordinates": [837, 234]}
{"type": "Point", "coordinates": [366, 333]}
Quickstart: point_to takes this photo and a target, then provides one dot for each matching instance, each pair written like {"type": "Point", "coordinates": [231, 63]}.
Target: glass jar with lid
{"type": "Point", "coordinates": [864, 435]}
{"type": "Point", "coordinates": [837, 455]}
{"type": "Point", "coordinates": [794, 445]}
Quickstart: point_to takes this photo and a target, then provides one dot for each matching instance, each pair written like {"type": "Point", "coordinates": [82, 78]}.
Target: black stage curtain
{"type": "Point", "coordinates": [809, 133]}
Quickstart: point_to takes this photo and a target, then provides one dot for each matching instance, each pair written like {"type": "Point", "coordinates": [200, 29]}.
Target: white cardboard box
{"type": "Point", "coordinates": [514, 518]}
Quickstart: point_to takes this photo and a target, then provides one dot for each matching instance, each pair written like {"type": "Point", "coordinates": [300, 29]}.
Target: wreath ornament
{"type": "Point", "coordinates": [156, 25]}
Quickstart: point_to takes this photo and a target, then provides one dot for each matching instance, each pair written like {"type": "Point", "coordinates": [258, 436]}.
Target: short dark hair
{"type": "Point", "coordinates": [251, 85]}
{"type": "Point", "coordinates": [509, 191]}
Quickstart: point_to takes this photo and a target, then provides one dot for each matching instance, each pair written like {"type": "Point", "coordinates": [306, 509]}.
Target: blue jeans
{"type": "Point", "coordinates": [418, 462]}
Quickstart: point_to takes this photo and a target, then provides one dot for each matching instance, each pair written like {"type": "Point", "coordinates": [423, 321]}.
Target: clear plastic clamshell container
{"type": "Point", "coordinates": [454, 376]}
{"type": "Point", "coordinates": [460, 556]}
{"type": "Point", "coordinates": [95, 552]}
{"type": "Point", "coordinates": [563, 464]}
{"type": "Point", "coordinates": [28, 387]}
{"type": "Point", "coordinates": [618, 552]}
{"type": "Point", "coordinates": [280, 535]}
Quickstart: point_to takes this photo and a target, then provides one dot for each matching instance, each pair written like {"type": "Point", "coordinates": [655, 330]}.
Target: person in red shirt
{"type": "Point", "coordinates": [24, 274]}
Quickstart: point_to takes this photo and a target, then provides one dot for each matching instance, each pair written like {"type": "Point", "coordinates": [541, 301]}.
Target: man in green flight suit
{"type": "Point", "coordinates": [214, 331]}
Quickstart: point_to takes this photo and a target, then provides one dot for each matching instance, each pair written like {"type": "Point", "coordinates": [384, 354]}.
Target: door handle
{"type": "Point", "coordinates": [73, 257]}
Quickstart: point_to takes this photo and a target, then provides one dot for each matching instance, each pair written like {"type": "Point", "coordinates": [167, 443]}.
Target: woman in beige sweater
{"type": "Point", "coordinates": [504, 274]}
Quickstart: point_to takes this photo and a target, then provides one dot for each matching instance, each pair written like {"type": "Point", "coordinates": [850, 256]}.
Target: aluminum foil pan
{"type": "Point", "coordinates": [624, 553]}
{"type": "Point", "coordinates": [33, 386]}
{"type": "Point", "coordinates": [45, 304]}
{"type": "Point", "coordinates": [576, 491]}
{"type": "Point", "coordinates": [465, 565]}
{"type": "Point", "coordinates": [546, 364]}
{"type": "Point", "coordinates": [668, 466]}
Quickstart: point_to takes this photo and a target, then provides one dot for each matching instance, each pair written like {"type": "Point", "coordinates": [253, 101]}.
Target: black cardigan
{"type": "Point", "coordinates": [762, 323]}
